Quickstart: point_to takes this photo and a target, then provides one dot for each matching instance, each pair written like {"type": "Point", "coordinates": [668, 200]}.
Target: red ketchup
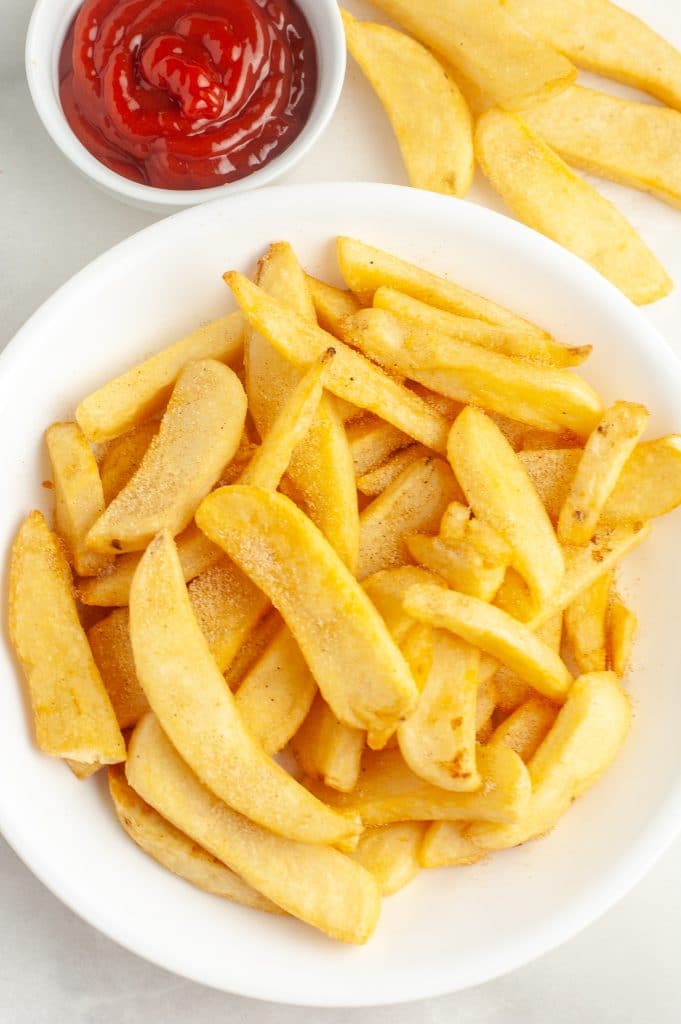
{"type": "Point", "coordinates": [186, 94]}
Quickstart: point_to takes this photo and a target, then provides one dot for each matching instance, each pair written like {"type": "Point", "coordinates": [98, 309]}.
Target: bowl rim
{"type": "Point", "coordinates": [662, 828]}
{"type": "Point", "coordinates": [41, 56]}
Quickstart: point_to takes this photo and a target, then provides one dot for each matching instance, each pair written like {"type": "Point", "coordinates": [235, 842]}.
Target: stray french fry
{"type": "Point", "coordinates": [327, 749]}
{"type": "Point", "coordinates": [331, 304]}
{"type": "Point", "coordinates": [374, 482]}
{"type": "Point", "coordinates": [372, 441]}
{"type": "Point", "coordinates": [585, 625]}
{"type": "Point", "coordinates": [78, 494]}
{"type": "Point", "coordinates": [622, 625]}
{"type": "Point", "coordinates": [391, 854]}
{"type": "Point", "coordinates": [424, 105]}
{"type": "Point", "coordinates": [198, 713]}
{"type": "Point", "coordinates": [136, 395]}
{"type": "Point", "coordinates": [315, 883]}
{"type": "Point", "coordinates": [445, 845]}
{"type": "Point", "coordinates": [541, 190]}
{"type": "Point", "coordinates": [73, 715]}
{"type": "Point", "coordinates": [111, 648]}
{"type": "Point", "coordinates": [526, 727]}
{"type": "Point", "coordinates": [122, 458]}
{"type": "Point", "coordinates": [604, 457]}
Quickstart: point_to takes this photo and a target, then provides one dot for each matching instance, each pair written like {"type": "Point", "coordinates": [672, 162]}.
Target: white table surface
{"type": "Point", "coordinates": [53, 967]}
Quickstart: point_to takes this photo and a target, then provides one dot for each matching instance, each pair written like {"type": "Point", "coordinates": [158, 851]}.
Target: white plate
{"type": "Point", "coordinates": [451, 928]}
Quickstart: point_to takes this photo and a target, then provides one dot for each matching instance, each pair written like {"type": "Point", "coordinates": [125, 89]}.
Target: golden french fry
{"type": "Point", "coordinates": [199, 434]}
{"type": "Point", "coordinates": [585, 625]}
{"type": "Point", "coordinates": [495, 632]}
{"type": "Point", "coordinates": [320, 466]}
{"type": "Point", "coordinates": [511, 690]}
{"type": "Point", "coordinates": [541, 190]}
{"type": "Point", "coordinates": [370, 686]}
{"type": "Point", "coordinates": [605, 455]}
{"type": "Point", "coordinates": [122, 458]}
{"type": "Point", "coordinates": [227, 607]}
{"type": "Point", "coordinates": [426, 109]}
{"type": "Point", "coordinates": [537, 348]}
{"type": "Point", "coordinates": [136, 395]}
{"type": "Point", "coordinates": [391, 854]}
{"type": "Point", "coordinates": [327, 749]}
{"type": "Point", "coordinates": [500, 493]}
{"type": "Point", "coordinates": [374, 482]}
{"type": "Point", "coordinates": [252, 649]}
{"type": "Point", "coordinates": [350, 375]}
{"type": "Point", "coordinates": [73, 715]}
{"type": "Point", "coordinates": [438, 739]}
{"type": "Point", "coordinates": [445, 845]}
{"type": "Point", "coordinates": [315, 883]}
{"type": "Point", "coordinates": [387, 590]}
{"type": "Point", "coordinates": [622, 625]}
{"type": "Point", "coordinates": [82, 771]}
{"type": "Point", "coordinates": [111, 648]}
{"type": "Point", "coordinates": [602, 37]}
{"type": "Point", "coordinates": [416, 500]}
{"type": "Point", "coordinates": [388, 791]}
{"type": "Point", "coordinates": [176, 851]}
{"type": "Point", "coordinates": [330, 304]}
{"type": "Point", "coordinates": [479, 38]}
{"type": "Point", "coordinates": [78, 494]}
{"type": "Point", "coordinates": [365, 269]}
{"type": "Point", "coordinates": [541, 396]}
{"type": "Point", "coordinates": [583, 742]}
{"type": "Point", "coordinates": [372, 441]}
{"type": "Point", "coordinates": [526, 727]}
{"type": "Point", "coordinates": [197, 711]}
{"type": "Point", "coordinates": [637, 144]}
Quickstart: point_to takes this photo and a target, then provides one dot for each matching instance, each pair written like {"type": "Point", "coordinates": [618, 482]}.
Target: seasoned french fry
{"type": "Point", "coordinates": [252, 649]}
{"type": "Point", "coordinates": [199, 434]}
{"type": "Point", "coordinates": [526, 727]}
{"type": "Point", "coordinates": [541, 396]}
{"type": "Point", "coordinates": [605, 455]}
{"type": "Point", "coordinates": [585, 625]}
{"type": "Point", "coordinates": [541, 190]}
{"type": "Point", "coordinates": [594, 131]}
{"type": "Point", "coordinates": [416, 500]}
{"type": "Point", "coordinates": [374, 482]}
{"type": "Point", "coordinates": [501, 494]}
{"type": "Point", "coordinates": [313, 882]}
{"type": "Point", "coordinates": [327, 749]}
{"type": "Point", "coordinates": [372, 441]}
{"type": "Point", "coordinates": [330, 304]}
{"type": "Point", "coordinates": [622, 625]}
{"type": "Point", "coordinates": [78, 494]}
{"type": "Point", "coordinates": [176, 851]}
{"type": "Point", "coordinates": [602, 37]}
{"type": "Point", "coordinates": [479, 38]}
{"type": "Point", "coordinates": [227, 607]}
{"type": "Point", "coordinates": [426, 109]}
{"type": "Point", "coordinates": [198, 713]}
{"type": "Point", "coordinates": [370, 687]}
{"type": "Point", "coordinates": [495, 632]}
{"type": "Point", "coordinates": [136, 395]}
{"type": "Point", "coordinates": [511, 690]}
{"type": "Point", "coordinates": [445, 845]}
{"type": "Point", "coordinates": [391, 854]}
{"type": "Point", "coordinates": [73, 715]}
{"type": "Point", "coordinates": [584, 740]}
{"type": "Point", "coordinates": [122, 458]}
{"type": "Point", "coordinates": [111, 648]}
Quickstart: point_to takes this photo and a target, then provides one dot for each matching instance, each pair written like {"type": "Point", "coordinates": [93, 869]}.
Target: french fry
{"type": "Point", "coordinates": [198, 436]}
{"type": "Point", "coordinates": [584, 740]}
{"type": "Point", "coordinates": [391, 854]}
{"type": "Point", "coordinates": [542, 191]}
{"type": "Point", "coordinates": [585, 625]}
{"type": "Point", "coordinates": [350, 376]}
{"type": "Point", "coordinates": [227, 606]}
{"type": "Point", "coordinates": [594, 131]}
{"type": "Point", "coordinates": [72, 712]}
{"type": "Point", "coordinates": [315, 883]}
{"type": "Point", "coordinates": [111, 648]}
{"type": "Point", "coordinates": [500, 493]}
{"type": "Point", "coordinates": [282, 551]}
{"type": "Point", "coordinates": [511, 690]}
{"type": "Point", "coordinates": [388, 791]}
{"type": "Point", "coordinates": [387, 590]}
{"type": "Point", "coordinates": [526, 727]}
{"type": "Point", "coordinates": [540, 396]}
{"type": "Point", "coordinates": [424, 105]}
{"type": "Point", "coordinates": [365, 269]}
{"type": "Point", "coordinates": [252, 649]}
{"type": "Point", "coordinates": [122, 457]}
{"type": "Point", "coordinates": [534, 439]}
{"type": "Point", "coordinates": [331, 305]}
{"type": "Point", "coordinates": [78, 494]}
{"type": "Point", "coordinates": [537, 348]}
{"type": "Point", "coordinates": [82, 771]}
{"type": "Point", "coordinates": [199, 715]}
{"type": "Point", "coordinates": [374, 482]}
{"type": "Point", "coordinates": [416, 500]}
{"type": "Point", "coordinates": [176, 851]}
{"type": "Point", "coordinates": [622, 625]}
{"type": "Point", "coordinates": [320, 466]}
{"type": "Point", "coordinates": [495, 632]}
{"type": "Point", "coordinates": [136, 395]}
{"type": "Point", "coordinates": [445, 845]}
{"type": "Point", "coordinates": [605, 455]}
{"type": "Point", "coordinates": [479, 38]}
{"type": "Point", "coordinates": [327, 749]}
{"type": "Point", "coordinates": [372, 441]}
{"type": "Point", "coordinates": [602, 37]}
{"type": "Point", "coordinates": [486, 702]}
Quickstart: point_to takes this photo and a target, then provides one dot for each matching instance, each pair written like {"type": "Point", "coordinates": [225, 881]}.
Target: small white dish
{"type": "Point", "coordinates": [451, 928]}
{"type": "Point", "coordinates": [47, 29]}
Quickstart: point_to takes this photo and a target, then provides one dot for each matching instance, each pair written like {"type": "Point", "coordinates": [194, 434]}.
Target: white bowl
{"type": "Point", "coordinates": [453, 927]}
{"type": "Point", "coordinates": [48, 26]}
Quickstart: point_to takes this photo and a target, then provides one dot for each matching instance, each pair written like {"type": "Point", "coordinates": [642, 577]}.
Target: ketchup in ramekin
{"type": "Point", "coordinates": [187, 94]}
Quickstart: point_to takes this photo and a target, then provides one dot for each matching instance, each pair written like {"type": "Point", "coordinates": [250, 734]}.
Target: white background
{"type": "Point", "coordinates": [54, 968]}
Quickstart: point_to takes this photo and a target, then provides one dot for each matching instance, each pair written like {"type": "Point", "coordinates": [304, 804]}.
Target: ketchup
{"type": "Point", "coordinates": [186, 94]}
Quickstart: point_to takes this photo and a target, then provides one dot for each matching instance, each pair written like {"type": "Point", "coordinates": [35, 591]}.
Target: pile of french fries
{"type": "Point", "coordinates": [376, 529]}
{"type": "Point", "coordinates": [499, 87]}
